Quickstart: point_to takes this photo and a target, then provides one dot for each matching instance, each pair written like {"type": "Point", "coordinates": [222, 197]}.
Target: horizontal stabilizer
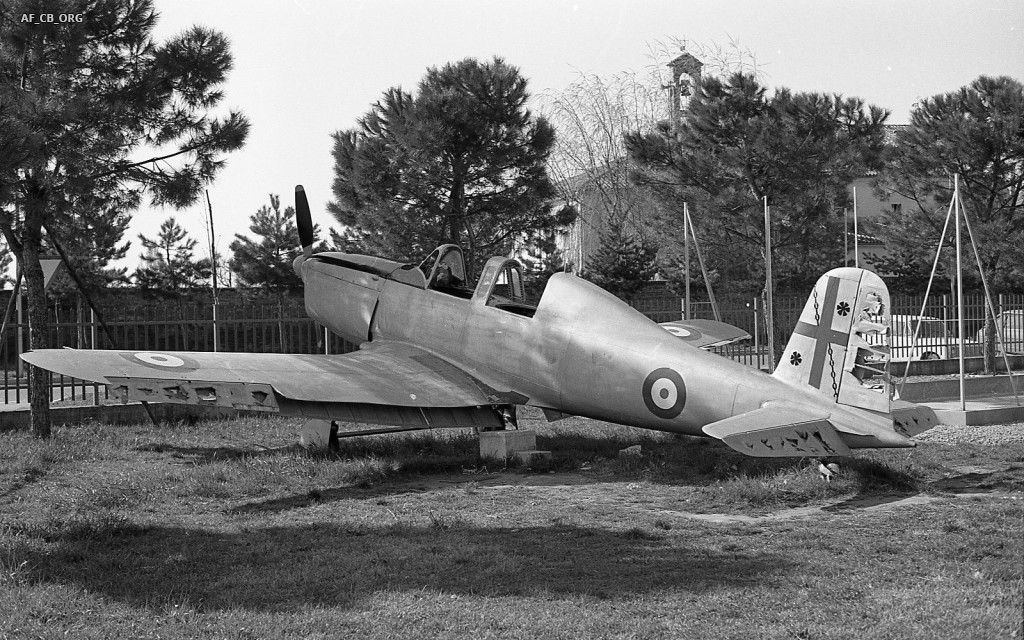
{"type": "Point", "coordinates": [778, 432]}
{"type": "Point", "coordinates": [910, 419]}
{"type": "Point", "coordinates": [705, 334]}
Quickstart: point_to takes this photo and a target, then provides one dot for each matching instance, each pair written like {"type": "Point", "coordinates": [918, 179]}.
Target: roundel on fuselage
{"type": "Point", "coordinates": [664, 393]}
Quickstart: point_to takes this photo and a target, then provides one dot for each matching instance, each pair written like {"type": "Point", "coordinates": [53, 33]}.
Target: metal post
{"type": "Point", "coordinates": [757, 336]}
{"type": "Point", "coordinates": [769, 307]}
{"type": "Point", "coordinates": [21, 335]}
{"type": "Point", "coordinates": [686, 261]}
{"type": "Point", "coordinates": [846, 237]}
{"type": "Point", "coordinates": [959, 292]}
{"type": "Point", "coordinates": [703, 270]}
{"type": "Point", "coordinates": [856, 233]}
{"type": "Point", "coordinates": [92, 345]}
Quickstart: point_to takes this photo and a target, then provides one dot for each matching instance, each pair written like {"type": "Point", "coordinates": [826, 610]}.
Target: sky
{"type": "Point", "coordinates": [304, 69]}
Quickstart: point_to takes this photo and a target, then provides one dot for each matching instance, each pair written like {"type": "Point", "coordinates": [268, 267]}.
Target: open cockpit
{"type": "Point", "coordinates": [501, 283]}
{"type": "Point", "coordinates": [445, 271]}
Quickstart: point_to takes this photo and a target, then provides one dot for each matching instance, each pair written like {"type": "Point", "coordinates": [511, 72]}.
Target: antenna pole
{"type": "Point", "coordinates": [213, 263]}
{"type": "Point", "coordinates": [769, 307]}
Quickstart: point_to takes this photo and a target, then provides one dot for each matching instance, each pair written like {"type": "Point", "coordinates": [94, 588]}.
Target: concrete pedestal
{"type": "Point", "coordinates": [518, 443]}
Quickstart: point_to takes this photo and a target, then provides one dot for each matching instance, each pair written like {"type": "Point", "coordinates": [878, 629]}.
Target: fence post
{"type": "Point", "coordinates": [757, 336]}
{"type": "Point", "coordinates": [945, 321]}
{"type": "Point", "coordinates": [20, 341]}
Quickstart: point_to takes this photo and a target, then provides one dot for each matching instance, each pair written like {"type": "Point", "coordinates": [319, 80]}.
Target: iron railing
{"type": "Point", "coordinates": [282, 327]}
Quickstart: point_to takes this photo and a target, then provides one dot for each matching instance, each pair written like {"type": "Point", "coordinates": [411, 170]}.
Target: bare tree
{"type": "Point", "coordinates": [590, 165]}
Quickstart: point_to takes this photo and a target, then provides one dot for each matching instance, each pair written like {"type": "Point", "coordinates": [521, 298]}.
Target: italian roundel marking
{"type": "Point", "coordinates": [165, 361]}
{"type": "Point", "coordinates": [681, 332]}
{"type": "Point", "coordinates": [664, 393]}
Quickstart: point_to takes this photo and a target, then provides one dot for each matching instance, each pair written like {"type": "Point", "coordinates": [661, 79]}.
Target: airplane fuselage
{"type": "Point", "coordinates": [582, 351]}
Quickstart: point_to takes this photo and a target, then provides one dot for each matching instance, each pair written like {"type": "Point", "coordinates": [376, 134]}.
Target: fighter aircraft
{"type": "Point", "coordinates": [439, 351]}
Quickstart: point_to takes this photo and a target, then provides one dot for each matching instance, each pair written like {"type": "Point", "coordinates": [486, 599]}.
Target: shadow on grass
{"type": "Point", "coordinates": [438, 445]}
{"type": "Point", "coordinates": [723, 479]}
{"type": "Point", "coordinates": [291, 568]}
{"type": "Point", "coordinates": [207, 455]}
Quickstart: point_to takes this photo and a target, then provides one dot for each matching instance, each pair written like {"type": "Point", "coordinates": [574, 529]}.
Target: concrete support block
{"type": "Point", "coordinates": [502, 445]}
{"type": "Point", "coordinates": [533, 458]}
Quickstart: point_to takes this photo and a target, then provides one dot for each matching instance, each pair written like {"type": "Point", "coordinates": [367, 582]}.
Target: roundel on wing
{"type": "Point", "coordinates": [682, 332]}
{"type": "Point", "coordinates": [664, 393]}
{"type": "Point", "coordinates": [164, 361]}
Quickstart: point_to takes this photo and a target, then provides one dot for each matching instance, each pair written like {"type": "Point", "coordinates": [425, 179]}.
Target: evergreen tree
{"type": "Point", "coordinates": [541, 258]}
{"type": "Point", "coordinates": [623, 263]}
{"type": "Point", "coordinates": [977, 132]}
{"type": "Point", "coordinates": [80, 103]}
{"type": "Point", "coordinates": [736, 145]}
{"type": "Point", "coordinates": [266, 263]}
{"type": "Point", "coordinates": [169, 266]}
{"type": "Point", "coordinates": [462, 161]}
{"type": "Point", "coordinates": [91, 236]}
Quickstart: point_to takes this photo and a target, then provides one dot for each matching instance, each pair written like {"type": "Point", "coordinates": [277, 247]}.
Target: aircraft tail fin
{"type": "Point", "coordinates": [841, 342]}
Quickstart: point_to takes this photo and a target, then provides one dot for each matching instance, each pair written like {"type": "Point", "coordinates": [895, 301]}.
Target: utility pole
{"type": "Point", "coordinates": [769, 307]}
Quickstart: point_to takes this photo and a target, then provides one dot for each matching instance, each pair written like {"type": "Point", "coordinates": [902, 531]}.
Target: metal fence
{"type": "Point", "coordinates": [937, 338]}
{"type": "Point", "coordinates": [283, 327]}
{"type": "Point", "coordinates": [260, 326]}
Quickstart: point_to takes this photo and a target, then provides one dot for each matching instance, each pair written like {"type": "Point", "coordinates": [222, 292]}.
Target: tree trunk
{"type": "Point", "coordinates": [990, 345]}
{"type": "Point", "coordinates": [38, 322]}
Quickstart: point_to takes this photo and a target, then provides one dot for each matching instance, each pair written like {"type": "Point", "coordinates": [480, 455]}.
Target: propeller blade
{"type": "Point", "coordinates": [304, 220]}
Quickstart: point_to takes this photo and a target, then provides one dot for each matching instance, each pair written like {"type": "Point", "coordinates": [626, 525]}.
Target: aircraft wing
{"type": "Point", "coordinates": [705, 333]}
{"type": "Point", "coordinates": [779, 432]}
{"type": "Point", "coordinates": [382, 373]}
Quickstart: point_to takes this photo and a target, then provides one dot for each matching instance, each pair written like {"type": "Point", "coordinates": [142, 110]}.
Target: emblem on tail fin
{"type": "Point", "coordinates": [840, 344]}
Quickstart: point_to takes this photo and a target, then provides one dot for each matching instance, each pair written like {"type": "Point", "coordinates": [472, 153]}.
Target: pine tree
{"type": "Point", "coordinates": [737, 145]}
{"type": "Point", "coordinates": [169, 266]}
{"type": "Point", "coordinates": [266, 263]}
{"type": "Point", "coordinates": [462, 161]}
{"type": "Point", "coordinates": [92, 236]}
{"type": "Point", "coordinates": [623, 263]}
{"type": "Point", "coordinates": [541, 259]}
{"type": "Point", "coordinates": [976, 132]}
{"type": "Point", "coordinates": [80, 103]}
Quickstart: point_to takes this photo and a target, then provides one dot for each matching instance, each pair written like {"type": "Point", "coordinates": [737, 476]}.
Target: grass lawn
{"type": "Point", "coordinates": [227, 530]}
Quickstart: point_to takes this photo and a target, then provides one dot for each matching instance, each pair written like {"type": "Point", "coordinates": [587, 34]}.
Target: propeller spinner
{"type": "Point", "coordinates": [304, 221]}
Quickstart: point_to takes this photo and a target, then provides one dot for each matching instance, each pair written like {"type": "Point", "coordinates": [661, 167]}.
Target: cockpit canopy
{"type": "Point", "coordinates": [500, 284]}
{"type": "Point", "coordinates": [445, 268]}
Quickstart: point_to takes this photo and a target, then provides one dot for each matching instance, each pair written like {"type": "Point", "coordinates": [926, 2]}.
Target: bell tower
{"type": "Point", "coordinates": [685, 75]}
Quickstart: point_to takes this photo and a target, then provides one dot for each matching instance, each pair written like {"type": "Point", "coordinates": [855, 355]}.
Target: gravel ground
{"type": "Point", "coordinates": [989, 434]}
